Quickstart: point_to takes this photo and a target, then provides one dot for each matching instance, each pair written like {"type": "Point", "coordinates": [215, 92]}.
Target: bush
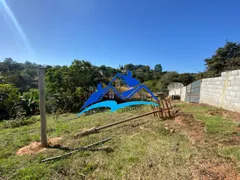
{"type": "Point", "coordinates": [20, 122]}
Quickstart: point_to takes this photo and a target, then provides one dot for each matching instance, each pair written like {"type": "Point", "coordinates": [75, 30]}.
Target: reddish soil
{"type": "Point", "coordinates": [225, 113]}
{"type": "Point", "coordinates": [35, 147]}
{"type": "Point", "coordinates": [32, 148]}
{"type": "Point", "coordinates": [215, 170]}
{"type": "Point", "coordinates": [193, 128]}
{"type": "Point", "coordinates": [55, 142]}
{"type": "Point", "coordinates": [234, 140]}
{"type": "Point", "coordinates": [209, 168]}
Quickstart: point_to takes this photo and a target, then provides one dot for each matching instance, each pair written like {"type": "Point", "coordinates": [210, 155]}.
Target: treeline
{"type": "Point", "coordinates": [67, 87]}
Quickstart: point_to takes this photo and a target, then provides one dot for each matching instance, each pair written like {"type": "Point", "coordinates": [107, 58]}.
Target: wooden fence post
{"type": "Point", "coordinates": [42, 107]}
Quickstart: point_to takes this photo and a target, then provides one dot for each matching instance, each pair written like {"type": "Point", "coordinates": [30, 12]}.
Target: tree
{"type": "Point", "coordinates": [151, 84]}
{"type": "Point", "coordinates": [9, 97]}
{"type": "Point", "coordinates": [226, 58]}
{"type": "Point", "coordinates": [129, 67]}
{"type": "Point", "coordinates": [158, 68]}
{"type": "Point", "coordinates": [186, 78]}
{"type": "Point", "coordinates": [30, 101]}
{"type": "Point", "coordinates": [157, 72]}
{"type": "Point", "coordinates": [166, 79]}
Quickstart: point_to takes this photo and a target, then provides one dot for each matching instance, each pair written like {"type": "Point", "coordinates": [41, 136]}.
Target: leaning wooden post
{"type": "Point", "coordinates": [42, 107]}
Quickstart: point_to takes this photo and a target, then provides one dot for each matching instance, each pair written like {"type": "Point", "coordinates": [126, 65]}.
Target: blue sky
{"type": "Point", "coordinates": [177, 34]}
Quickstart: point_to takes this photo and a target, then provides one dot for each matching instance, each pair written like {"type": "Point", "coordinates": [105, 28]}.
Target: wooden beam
{"type": "Point", "coordinates": [42, 107]}
{"type": "Point", "coordinates": [97, 129]}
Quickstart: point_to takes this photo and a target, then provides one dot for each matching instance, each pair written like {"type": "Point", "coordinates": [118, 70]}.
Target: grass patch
{"type": "Point", "coordinates": [232, 152]}
{"type": "Point", "coordinates": [141, 149]}
{"type": "Point", "coordinates": [20, 122]}
{"type": "Point", "coordinates": [214, 124]}
{"type": "Point", "coordinates": [132, 149]}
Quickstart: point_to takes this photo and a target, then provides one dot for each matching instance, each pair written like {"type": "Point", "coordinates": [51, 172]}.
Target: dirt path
{"type": "Point", "coordinates": [211, 166]}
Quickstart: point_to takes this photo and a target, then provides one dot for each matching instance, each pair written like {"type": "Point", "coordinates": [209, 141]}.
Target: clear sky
{"type": "Point", "coordinates": [179, 34]}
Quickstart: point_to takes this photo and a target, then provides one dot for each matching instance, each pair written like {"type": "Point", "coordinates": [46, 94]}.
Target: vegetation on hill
{"type": "Point", "coordinates": [67, 87]}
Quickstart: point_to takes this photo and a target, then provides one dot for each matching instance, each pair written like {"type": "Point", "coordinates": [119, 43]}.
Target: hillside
{"type": "Point", "coordinates": [203, 144]}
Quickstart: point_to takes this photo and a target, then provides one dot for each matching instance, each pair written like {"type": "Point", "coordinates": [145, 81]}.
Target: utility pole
{"type": "Point", "coordinates": [42, 107]}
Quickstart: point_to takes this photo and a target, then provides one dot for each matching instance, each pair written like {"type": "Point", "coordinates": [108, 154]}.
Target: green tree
{"type": "Point", "coordinates": [130, 67]}
{"type": "Point", "coordinates": [158, 68]}
{"type": "Point", "coordinates": [226, 58]}
{"type": "Point", "coordinates": [9, 97]}
{"type": "Point", "coordinates": [157, 72]}
{"type": "Point", "coordinates": [30, 101]}
{"type": "Point", "coordinates": [166, 79]}
{"type": "Point", "coordinates": [186, 78]}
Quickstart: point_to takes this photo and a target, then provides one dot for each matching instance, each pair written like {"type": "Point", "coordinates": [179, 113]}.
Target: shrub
{"type": "Point", "coordinates": [20, 122]}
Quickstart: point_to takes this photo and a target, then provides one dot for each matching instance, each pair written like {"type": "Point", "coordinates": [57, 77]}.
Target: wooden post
{"type": "Point", "coordinates": [42, 107]}
{"type": "Point", "coordinates": [169, 114]}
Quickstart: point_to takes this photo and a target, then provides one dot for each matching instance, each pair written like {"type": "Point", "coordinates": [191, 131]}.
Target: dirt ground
{"type": "Point", "coordinates": [35, 147]}
{"type": "Point", "coordinates": [225, 113]}
{"type": "Point", "coordinates": [194, 129]}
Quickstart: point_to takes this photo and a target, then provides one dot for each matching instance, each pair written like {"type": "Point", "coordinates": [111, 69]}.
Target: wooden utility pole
{"type": "Point", "coordinates": [42, 107]}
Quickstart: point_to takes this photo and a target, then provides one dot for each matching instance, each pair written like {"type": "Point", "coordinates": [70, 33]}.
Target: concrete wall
{"type": "Point", "coordinates": [183, 93]}
{"type": "Point", "coordinates": [222, 91]}
{"type": "Point", "coordinates": [211, 91]}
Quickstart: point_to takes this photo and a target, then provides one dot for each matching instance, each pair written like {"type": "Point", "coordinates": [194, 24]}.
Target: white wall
{"type": "Point", "coordinates": [222, 91]}
{"type": "Point", "coordinates": [183, 93]}
{"type": "Point", "coordinates": [175, 92]}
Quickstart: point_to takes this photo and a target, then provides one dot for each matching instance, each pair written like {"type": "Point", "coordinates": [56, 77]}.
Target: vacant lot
{"type": "Point", "coordinates": [201, 143]}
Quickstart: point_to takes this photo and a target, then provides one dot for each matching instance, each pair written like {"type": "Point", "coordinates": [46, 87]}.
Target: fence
{"type": "Point", "coordinates": [193, 92]}
{"type": "Point", "coordinates": [223, 91]}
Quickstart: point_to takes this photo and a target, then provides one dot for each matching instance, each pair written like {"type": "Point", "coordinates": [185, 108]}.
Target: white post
{"type": "Point", "coordinates": [42, 107]}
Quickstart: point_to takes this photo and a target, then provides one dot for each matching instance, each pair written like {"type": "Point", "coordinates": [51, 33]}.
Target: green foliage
{"type": "Point", "coordinates": [166, 79]}
{"type": "Point", "coordinates": [67, 87]}
{"type": "Point", "coordinates": [21, 75]}
{"type": "Point", "coordinates": [225, 59]}
{"type": "Point", "coordinates": [9, 96]}
{"type": "Point", "coordinates": [151, 84]}
{"type": "Point", "coordinates": [158, 68]}
{"type": "Point", "coordinates": [32, 94]}
{"type": "Point", "coordinates": [30, 101]}
{"type": "Point", "coordinates": [186, 78]}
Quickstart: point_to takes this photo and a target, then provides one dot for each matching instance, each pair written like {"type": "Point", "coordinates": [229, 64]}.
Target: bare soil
{"type": "Point", "coordinates": [235, 116]}
{"type": "Point", "coordinates": [213, 169]}
{"type": "Point", "coordinates": [209, 168]}
{"type": "Point", "coordinates": [35, 147]}
{"type": "Point", "coordinates": [188, 125]}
